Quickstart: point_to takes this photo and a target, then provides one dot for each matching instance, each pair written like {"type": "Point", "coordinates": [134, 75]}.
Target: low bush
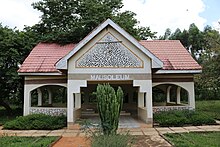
{"type": "Point", "coordinates": [36, 122]}
{"type": "Point", "coordinates": [180, 118]}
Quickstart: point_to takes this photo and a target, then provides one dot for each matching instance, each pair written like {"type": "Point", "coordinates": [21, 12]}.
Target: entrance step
{"type": "Point", "coordinates": [124, 113]}
{"type": "Point", "coordinates": [91, 112]}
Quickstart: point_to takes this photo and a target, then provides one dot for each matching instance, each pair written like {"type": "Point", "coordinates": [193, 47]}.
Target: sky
{"type": "Point", "coordinates": [156, 14]}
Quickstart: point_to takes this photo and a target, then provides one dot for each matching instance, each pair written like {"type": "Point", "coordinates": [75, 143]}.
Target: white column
{"type": "Point", "coordinates": [178, 95]}
{"type": "Point", "coordinates": [149, 103]}
{"type": "Point", "coordinates": [27, 100]}
{"type": "Point", "coordinates": [73, 87]}
{"type": "Point", "coordinates": [70, 104]}
{"type": "Point", "coordinates": [191, 96]}
{"type": "Point", "coordinates": [140, 99]}
{"type": "Point", "coordinates": [146, 86]}
{"type": "Point", "coordinates": [39, 97]}
{"type": "Point", "coordinates": [49, 96]}
{"type": "Point", "coordinates": [78, 100]}
{"type": "Point", "coordinates": [168, 94]}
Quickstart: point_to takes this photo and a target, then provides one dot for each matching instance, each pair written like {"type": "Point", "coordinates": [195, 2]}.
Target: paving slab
{"type": "Point", "coordinates": [163, 129]}
{"type": "Point", "coordinates": [43, 131]}
{"type": "Point", "coordinates": [70, 134]}
{"type": "Point", "coordinates": [178, 129]}
{"type": "Point", "coordinates": [58, 131]}
{"type": "Point", "coordinates": [136, 133]}
{"type": "Point", "coordinates": [39, 134]}
{"type": "Point", "coordinates": [72, 131]}
{"type": "Point", "coordinates": [81, 134]}
{"type": "Point", "coordinates": [135, 130]}
{"type": "Point", "coordinates": [148, 129]}
{"type": "Point", "coordinates": [148, 133]}
{"type": "Point", "coordinates": [54, 134]}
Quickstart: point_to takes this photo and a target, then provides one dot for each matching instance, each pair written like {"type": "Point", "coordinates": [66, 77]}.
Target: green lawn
{"type": "Point", "coordinates": [211, 107]}
{"type": "Point", "coordinates": [193, 139]}
{"type": "Point", "coordinates": [15, 141]}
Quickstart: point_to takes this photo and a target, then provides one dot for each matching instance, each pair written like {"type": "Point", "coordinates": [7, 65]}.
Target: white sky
{"type": "Point", "coordinates": [158, 14]}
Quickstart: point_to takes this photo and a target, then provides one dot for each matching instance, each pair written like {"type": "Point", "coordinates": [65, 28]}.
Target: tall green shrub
{"type": "Point", "coordinates": [109, 104]}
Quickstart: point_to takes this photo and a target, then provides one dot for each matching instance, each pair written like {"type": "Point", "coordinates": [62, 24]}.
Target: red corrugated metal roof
{"type": "Point", "coordinates": [44, 56]}
{"type": "Point", "coordinates": [172, 53]}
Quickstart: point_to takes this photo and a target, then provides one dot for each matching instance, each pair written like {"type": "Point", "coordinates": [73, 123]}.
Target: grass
{"type": "Point", "coordinates": [114, 140]}
{"type": "Point", "coordinates": [211, 108]}
{"type": "Point", "coordinates": [195, 139]}
{"type": "Point", "coordinates": [15, 141]}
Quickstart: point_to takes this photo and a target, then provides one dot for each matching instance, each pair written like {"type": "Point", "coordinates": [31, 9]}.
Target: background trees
{"type": "Point", "coordinates": [65, 21]}
{"type": "Point", "coordinates": [204, 46]}
{"type": "Point", "coordinates": [14, 47]}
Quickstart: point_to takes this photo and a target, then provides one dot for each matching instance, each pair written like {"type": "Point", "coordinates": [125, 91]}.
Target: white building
{"type": "Point", "coordinates": [60, 79]}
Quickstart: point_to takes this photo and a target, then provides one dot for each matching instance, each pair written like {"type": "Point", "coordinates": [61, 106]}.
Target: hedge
{"type": "Point", "coordinates": [178, 118]}
{"type": "Point", "coordinates": [36, 122]}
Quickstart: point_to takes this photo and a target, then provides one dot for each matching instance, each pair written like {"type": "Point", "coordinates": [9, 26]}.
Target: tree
{"type": "Point", "coordinates": [67, 21]}
{"type": "Point", "coordinates": [166, 35]}
{"type": "Point", "coordinates": [208, 83]}
{"type": "Point", "coordinates": [14, 47]}
{"type": "Point", "coordinates": [192, 39]}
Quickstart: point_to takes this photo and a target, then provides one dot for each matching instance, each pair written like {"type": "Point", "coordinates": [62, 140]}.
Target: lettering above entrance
{"type": "Point", "coordinates": [111, 53]}
{"type": "Point", "coordinates": [109, 77]}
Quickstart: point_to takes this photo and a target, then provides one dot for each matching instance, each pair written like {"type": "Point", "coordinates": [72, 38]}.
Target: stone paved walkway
{"type": "Point", "coordinates": [152, 134]}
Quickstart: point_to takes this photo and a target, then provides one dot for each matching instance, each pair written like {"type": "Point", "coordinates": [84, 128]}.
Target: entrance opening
{"type": "Point", "coordinates": [129, 110]}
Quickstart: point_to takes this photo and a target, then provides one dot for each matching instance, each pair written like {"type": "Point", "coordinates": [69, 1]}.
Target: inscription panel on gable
{"type": "Point", "coordinates": [109, 52]}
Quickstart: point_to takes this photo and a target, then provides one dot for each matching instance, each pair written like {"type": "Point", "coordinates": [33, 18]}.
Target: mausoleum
{"type": "Point", "coordinates": [155, 75]}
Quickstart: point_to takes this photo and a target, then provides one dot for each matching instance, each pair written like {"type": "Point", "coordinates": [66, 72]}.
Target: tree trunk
{"type": "Point", "coordinates": [6, 106]}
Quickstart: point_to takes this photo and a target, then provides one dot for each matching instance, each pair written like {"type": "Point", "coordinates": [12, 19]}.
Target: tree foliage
{"type": "Point", "coordinates": [14, 47]}
{"type": "Point", "coordinates": [192, 39]}
{"type": "Point", "coordinates": [67, 21]}
{"type": "Point", "coordinates": [204, 46]}
{"type": "Point", "coordinates": [208, 83]}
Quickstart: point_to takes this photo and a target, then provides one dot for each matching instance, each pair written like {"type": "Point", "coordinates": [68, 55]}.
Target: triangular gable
{"type": "Point", "coordinates": [115, 55]}
{"type": "Point", "coordinates": [156, 63]}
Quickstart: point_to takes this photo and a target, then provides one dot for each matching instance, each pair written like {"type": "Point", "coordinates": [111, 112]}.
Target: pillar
{"type": "Point", "coordinates": [27, 100]}
{"type": "Point", "coordinates": [146, 87]}
{"type": "Point", "coordinates": [178, 95]}
{"type": "Point", "coordinates": [149, 105]}
{"type": "Point", "coordinates": [78, 100]}
{"type": "Point", "coordinates": [140, 99]}
{"type": "Point", "coordinates": [49, 96]}
{"type": "Point", "coordinates": [70, 105]}
{"type": "Point", "coordinates": [168, 94]}
{"type": "Point", "coordinates": [39, 97]}
{"type": "Point", "coordinates": [191, 96]}
{"type": "Point", "coordinates": [73, 88]}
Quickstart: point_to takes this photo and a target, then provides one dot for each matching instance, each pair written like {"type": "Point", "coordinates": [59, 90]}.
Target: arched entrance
{"type": "Point", "coordinates": [48, 99]}
{"type": "Point", "coordinates": [173, 96]}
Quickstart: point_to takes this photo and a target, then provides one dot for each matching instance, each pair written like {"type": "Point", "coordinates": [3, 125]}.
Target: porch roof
{"type": "Point", "coordinates": [44, 56]}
